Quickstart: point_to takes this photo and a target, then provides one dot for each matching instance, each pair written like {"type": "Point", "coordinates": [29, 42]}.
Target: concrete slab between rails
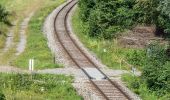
{"type": "Point", "coordinates": [94, 73]}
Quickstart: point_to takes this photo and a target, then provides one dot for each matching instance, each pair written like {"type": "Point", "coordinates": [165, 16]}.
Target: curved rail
{"type": "Point", "coordinates": [66, 31]}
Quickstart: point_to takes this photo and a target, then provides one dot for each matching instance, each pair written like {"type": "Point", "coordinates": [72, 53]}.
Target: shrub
{"type": "Point", "coordinates": [85, 7]}
{"type": "Point", "coordinates": [107, 18]}
{"type": "Point", "coordinates": [136, 57]}
{"type": "Point", "coordinates": [156, 71]}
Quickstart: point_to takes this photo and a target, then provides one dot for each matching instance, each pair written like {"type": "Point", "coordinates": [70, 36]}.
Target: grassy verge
{"type": "Point", "coordinates": [37, 87]}
{"type": "Point", "coordinates": [36, 42]}
{"type": "Point", "coordinates": [106, 50]}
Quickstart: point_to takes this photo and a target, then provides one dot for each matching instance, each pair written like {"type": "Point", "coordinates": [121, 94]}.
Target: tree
{"type": "Point", "coordinates": [165, 7]}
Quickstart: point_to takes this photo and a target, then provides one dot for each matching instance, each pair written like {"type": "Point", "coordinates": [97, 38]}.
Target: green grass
{"type": "Point", "coordinates": [37, 87]}
{"type": "Point", "coordinates": [140, 88]}
{"type": "Point", "coordinates": [114, 55]}
{"type": "Point", "coordinates": [37, 47]}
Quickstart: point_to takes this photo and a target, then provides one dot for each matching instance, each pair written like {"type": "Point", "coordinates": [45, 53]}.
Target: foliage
{"type": "Point", "coordinates": [4, 16]}
{"type": "Point", "coordinates": [107, 18]}
{"type": "Point", "coordinates": [37, 86]}
{"type": "Point", "coordinates": [86, 6]}
{"type": "Point", "coordinates": [156, 70]}
{"type": "Point", "coordinates": [164, 8]}
{"type": "Point", "coordinates": [136, 57]}
{"type": "Point", "coordinates": [146, 11]}
{"type": "Point", "coordinates": [138, 85]}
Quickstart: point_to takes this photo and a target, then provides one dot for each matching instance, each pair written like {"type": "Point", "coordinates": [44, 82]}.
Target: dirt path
{"type": "Point", "coordinates": [23, 38]}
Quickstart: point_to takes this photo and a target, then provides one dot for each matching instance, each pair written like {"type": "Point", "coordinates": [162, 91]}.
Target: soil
{"type": "Point", "coordinates": [140, 37]}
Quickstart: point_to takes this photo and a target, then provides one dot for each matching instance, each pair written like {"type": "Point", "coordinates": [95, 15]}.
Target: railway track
{"type": "Point", "coordinates": [107, 88]}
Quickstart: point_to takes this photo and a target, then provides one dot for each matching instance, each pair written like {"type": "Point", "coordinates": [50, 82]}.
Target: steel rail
{"type": "Point", "coordinates": [78, 47]}
{"type": "Point", "coordinates": [71, 56]}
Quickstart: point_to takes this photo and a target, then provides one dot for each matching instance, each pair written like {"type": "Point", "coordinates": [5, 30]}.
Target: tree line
{"type": "Point", "coordinates": [106, 18]}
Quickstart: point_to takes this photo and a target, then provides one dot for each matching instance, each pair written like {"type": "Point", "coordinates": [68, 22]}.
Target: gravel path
{"type": "Point", "coordinates": [23, 38]}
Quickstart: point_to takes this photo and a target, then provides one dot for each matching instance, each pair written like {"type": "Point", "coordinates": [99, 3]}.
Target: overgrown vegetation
{"type": "Point", "coordinates": [155, 65]}
{"type": "Point", "coordinates": [101, 23]}
{"type": "Point", "coordinates": [138, 85]}
{"type": "Point", "coordinates": [156, 71]}
{"type": "Point", "coordinates": [36, 87]}
{"type": "Point", "coordinates": [107, 18]}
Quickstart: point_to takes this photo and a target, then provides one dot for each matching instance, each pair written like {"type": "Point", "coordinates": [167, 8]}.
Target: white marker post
{"type": "Point", "coordinates": [31, 64]}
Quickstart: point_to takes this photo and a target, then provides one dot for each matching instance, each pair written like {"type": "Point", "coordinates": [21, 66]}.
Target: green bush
{"type": "Point", "coordinates": [85, 7]}
{"type": "Point", "coordinates": [156, 71]}
{"type": "Point", "coordinates": [106, 18]}
{"type": "Point", "coordinates": [164, 7]}
{"type": "Point", "coordinates": [136, 57]}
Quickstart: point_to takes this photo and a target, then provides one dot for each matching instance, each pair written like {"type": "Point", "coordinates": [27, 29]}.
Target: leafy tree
{"type": "Point", "coordinates": [106, 18]}
{"type": "Point", "coordinates": [146, 11]}
{"type": "Point", "coordinates": [164, 8]}
{"type": "Point", "coordinates": [85, 7]}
